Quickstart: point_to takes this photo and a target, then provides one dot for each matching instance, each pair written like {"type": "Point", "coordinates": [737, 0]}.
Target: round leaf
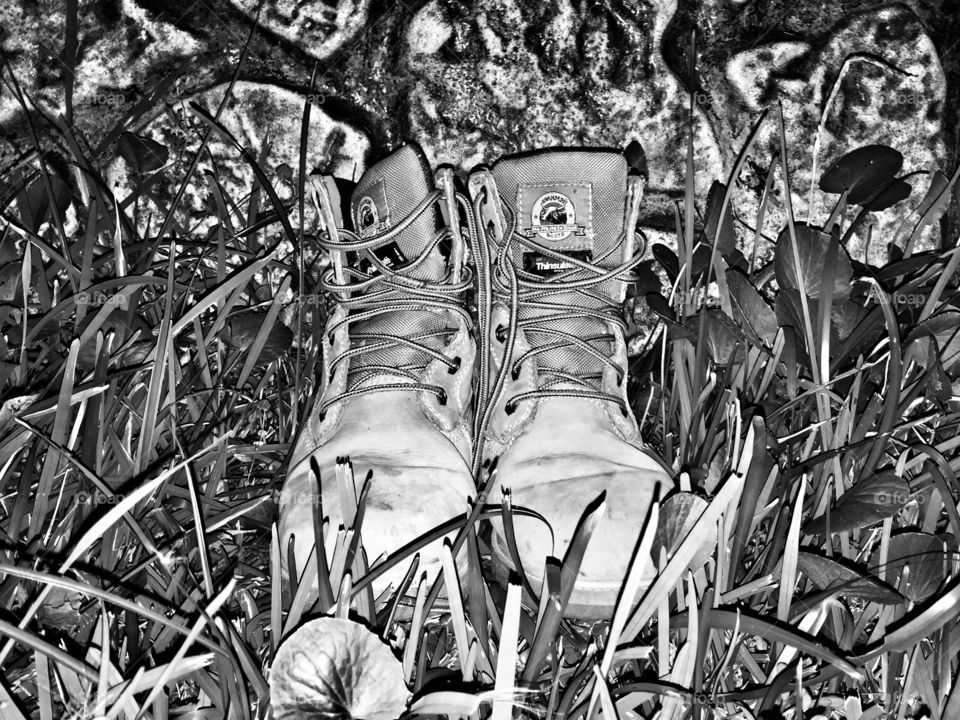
{"type": "Point", "coordinates": [723, 337]}
{"type": "Point", "coordinates": [33, 202]}
{"type": "Point", "coordinates": [336, 668]}
{"type": "Point", "coordinates": [827, 573]}
{"type": "Point", "coordinates": [647, 280]}
{"type": "Point", "coordinates": [750, 309]}
{"type": "Point", "coordinates": [872, 500]}
{"type": "Point", "coordinates": [923, 554]}
{"type": "Point", "coordinates": [241, 330]}
{"type": "Point", "coordinates": [865, 172]}
{"type": "Point", "coordinates": [142, 154]}
{"type": "Point", "coordinates": [945, 327]}
{"type": "Point", "coordinates": [895, 192]}
{"type": "Point", "coordinates": [636, 157]}
{"type": "Point", "coordinates": [812, 247]}
{"type": "Point", "coordinates": [658, 304]}
{"type": "Point", "coordinates": [10, 276]}
{"type": "Point", "coordinates": [668, 260]}
{"type": "Point", "coordinates": [726, 238]}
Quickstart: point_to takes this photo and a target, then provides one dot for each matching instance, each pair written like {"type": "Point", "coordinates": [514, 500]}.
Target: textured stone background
{"type": "Point", "coordinates": [470, 81]}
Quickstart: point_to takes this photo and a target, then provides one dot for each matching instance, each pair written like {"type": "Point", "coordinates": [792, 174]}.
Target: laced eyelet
{"type": "Point", "coordinates": [455, 365]}
{"type": "Point", "coordinates": [322, 415]}
{"type": "Point", "coordinates": [510, 407]}
{"type": "Point", "coordinates": [624, 410]}
{"type": "Point", "coordinates": [442, 397]}
{"type": "Point", "coordinates": [620, 378]}
{"type": "Point", "coordinates": [514, 373]}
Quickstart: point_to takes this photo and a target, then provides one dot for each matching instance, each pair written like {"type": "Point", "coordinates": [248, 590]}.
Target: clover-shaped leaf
{"type": "Point", "coordinates": [336, 668]}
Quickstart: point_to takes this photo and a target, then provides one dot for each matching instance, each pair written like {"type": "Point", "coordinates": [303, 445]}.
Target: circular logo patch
{"type": "Point", "coordinates": [367, 215]}
{"type": "Point", "coordinates": [553, 216]}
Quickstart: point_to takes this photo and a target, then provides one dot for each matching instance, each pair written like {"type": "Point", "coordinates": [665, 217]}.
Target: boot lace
{"type": "Point", "coordinates": [395, 319]}
{"type": "Point", "coordinates": [563, 318]}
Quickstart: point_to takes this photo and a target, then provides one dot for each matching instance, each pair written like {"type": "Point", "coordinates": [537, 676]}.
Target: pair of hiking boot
{"type": "Point", "coordinates": [422, 391]}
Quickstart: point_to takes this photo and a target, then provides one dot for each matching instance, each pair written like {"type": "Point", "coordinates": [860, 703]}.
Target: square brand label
{"type": "Point", "coordinates": [557, 215]}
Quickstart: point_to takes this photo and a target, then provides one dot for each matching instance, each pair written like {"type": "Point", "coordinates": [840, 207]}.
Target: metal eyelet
{"type": "Point", "coordinates": [500, 333]}
{"type": "Point", "coordinates": [442, 397]}
{"type": "Point", "coordinates": [510, 407]}
{"type": "Point", "coordinates": [624, 410]}
{"type": "Point", "coordinates": [514, 373]}
{"type": "Point", "coordinates": [455, 366]}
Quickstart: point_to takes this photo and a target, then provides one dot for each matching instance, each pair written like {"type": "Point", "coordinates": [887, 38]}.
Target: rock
{"type": "Point", "coordinates": [749, 71]}
{"type": "Point", "coordinates": [122, 52]}
{"type": "Point", "coordinates": [872, 105]}
{"type": "Point", "coordinates": [471, 81]}
{"type": "Point", "coordinates": [510, 76]}
{"type": "Point", "coordinates": [320, 28]}
{"type": "Point", "coordinates": [267, 120]}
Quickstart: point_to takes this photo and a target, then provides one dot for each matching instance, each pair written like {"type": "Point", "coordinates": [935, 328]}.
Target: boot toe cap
{"type": "Point", "coordinates": [402, 504]}
{"type": "Point", "coordinates": [562, 502]}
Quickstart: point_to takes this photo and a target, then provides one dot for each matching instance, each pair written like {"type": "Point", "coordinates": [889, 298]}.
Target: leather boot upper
{"type": "Point", "coordinates": [560, 229]}
{"type": "Point", "coordinates": [398, 360]}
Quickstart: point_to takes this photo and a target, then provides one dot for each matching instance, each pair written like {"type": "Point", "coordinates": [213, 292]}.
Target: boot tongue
{"type": "Point", "coordinates": [386, 194]}
{"type": "Point", "coordinates": [570, 201]}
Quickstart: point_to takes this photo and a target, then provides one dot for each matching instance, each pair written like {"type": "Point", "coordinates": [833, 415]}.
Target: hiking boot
{"type": "Point", "coordinates": [398, 356]}
{"type": "Point", "coordinates": [561, 243]}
